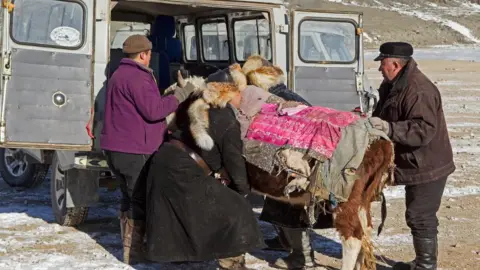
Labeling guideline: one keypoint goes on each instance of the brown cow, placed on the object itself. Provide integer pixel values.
(352, 219)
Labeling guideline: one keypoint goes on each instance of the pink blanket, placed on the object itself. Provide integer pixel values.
(316, 129)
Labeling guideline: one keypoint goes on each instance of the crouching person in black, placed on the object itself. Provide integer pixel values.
(191, 216)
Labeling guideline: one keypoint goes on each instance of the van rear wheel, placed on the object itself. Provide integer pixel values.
(58, 187)
(17, 171)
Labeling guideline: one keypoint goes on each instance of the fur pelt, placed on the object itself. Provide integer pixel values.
(254, 62)
(238, 76)
(216, 95)
(197, 82)
(266, 77)
(261, 73)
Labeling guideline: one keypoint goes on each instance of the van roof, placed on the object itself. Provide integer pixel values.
(190, 7)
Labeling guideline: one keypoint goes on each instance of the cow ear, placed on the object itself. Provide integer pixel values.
(180, 80)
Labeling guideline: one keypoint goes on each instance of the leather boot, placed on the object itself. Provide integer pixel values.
(133, 232)
(233, 263)
(404, 266)
(302, 252)
(426, 251)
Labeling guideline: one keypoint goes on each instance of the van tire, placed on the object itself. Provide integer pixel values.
(26, 175)
(63, 216)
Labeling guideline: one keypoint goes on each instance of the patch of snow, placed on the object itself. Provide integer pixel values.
(449, 23)
(460, 98)
(466, 149)
(392, 240)
(464, 124)
(329, 242)
(402, 9)
(469, 6)
(459, 53)
(426, 15)
(397, 192)
(367, 37)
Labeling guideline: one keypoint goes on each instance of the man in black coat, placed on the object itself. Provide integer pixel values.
(190, 215)
(410, 111)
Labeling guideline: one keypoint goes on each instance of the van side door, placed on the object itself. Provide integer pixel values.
(326, 64)
(47, 87)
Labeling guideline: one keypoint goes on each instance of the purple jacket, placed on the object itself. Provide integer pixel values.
(134, 111)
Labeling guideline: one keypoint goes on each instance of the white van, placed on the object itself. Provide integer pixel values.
(57, 57)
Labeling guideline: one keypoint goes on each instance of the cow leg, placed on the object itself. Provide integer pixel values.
(351, 245)
(362, 216)
(350, 250)
(366, 256)
(360, 259)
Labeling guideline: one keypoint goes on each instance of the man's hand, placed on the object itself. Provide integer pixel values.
(379, 124)
(182, 93)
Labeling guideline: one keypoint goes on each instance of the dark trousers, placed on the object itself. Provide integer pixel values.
(128, 168)
(423, 202)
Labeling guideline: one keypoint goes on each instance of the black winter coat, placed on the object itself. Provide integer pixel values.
(413, 107)
(191, 216)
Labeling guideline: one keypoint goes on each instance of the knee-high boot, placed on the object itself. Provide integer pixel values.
(133, 232)
(302, 253)
(426, 252)
(279, 242)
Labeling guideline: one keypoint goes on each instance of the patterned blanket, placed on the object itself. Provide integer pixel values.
(315, 130)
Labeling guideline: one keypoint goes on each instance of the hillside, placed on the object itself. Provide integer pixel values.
(422, 23)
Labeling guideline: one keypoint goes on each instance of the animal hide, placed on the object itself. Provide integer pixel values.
(214, 95)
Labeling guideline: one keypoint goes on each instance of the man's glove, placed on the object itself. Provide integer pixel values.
(182, 93)
(379, 124)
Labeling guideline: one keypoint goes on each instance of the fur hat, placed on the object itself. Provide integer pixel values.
(261, 73)
(216, 95)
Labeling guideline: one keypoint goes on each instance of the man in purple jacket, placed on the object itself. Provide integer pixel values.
(134, 128)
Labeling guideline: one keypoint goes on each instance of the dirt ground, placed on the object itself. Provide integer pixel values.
(29, 238)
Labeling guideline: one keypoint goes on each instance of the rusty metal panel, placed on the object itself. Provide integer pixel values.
(31, 115)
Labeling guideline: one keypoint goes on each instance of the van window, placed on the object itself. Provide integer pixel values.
(190, 42)
(215, 41)
(48, 23)
(252, 36)
(120, 31)
(309, 51)
(332, 41)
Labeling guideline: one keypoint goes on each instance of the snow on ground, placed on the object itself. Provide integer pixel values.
(30, 239)
(426, 11)
(455, 53)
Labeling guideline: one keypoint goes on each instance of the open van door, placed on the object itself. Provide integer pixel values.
(47, 78)
(326, 66)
